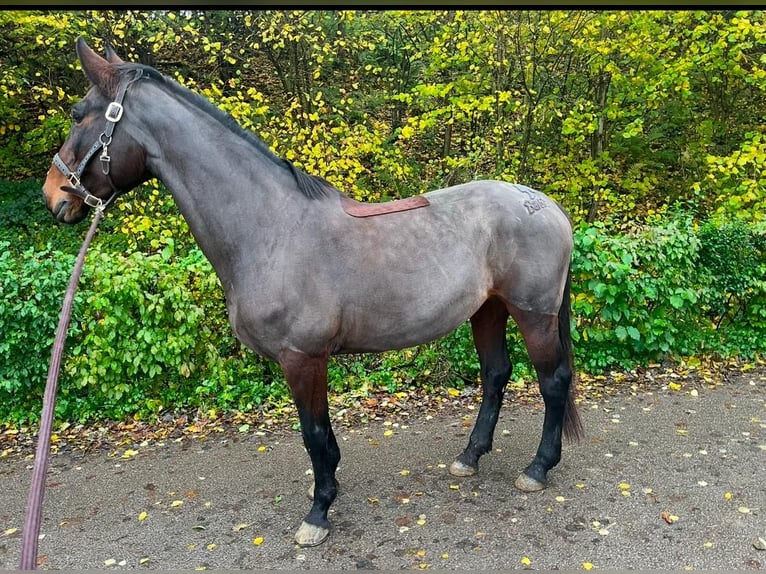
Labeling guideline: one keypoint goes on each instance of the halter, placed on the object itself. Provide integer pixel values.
(113, 115)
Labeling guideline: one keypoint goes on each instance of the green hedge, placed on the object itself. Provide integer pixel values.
(150, 331)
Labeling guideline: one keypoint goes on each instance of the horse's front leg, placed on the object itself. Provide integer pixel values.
(307, 378)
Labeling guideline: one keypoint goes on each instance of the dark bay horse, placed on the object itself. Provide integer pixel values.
(304, 279)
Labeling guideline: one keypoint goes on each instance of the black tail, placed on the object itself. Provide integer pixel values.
(572, 424)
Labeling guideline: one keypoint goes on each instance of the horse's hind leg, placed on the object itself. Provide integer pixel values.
(552, 361)
(488, 325)
(307, 379)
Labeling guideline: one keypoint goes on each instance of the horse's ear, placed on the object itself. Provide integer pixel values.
(101, 73)
(111, 55)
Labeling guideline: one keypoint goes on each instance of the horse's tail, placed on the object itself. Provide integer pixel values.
(572, 424)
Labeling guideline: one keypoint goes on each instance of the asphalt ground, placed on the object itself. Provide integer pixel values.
(669, 476)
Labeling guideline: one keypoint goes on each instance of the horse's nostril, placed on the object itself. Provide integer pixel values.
(60, 208)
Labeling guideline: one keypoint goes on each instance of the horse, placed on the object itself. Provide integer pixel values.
(308, 272)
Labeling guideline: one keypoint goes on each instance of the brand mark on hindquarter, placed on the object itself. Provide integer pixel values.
(533, 203)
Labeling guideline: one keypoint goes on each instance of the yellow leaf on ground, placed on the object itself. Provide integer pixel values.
(10, 531)
(143, 515)
(453, 392)
(525, 561)
(176, 503)
(258, 541)
(587, 566)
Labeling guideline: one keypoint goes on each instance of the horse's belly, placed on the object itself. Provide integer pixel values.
(395, 324)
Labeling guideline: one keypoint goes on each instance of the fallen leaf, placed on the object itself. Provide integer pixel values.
(743, 510)
(176, 503)
(623, 486)
(668, 517)
(212, 546)
(258, 540)
(143, 515)
(525, 561)
(239, 527)
(110, 562)
(129, 453)
(10, 531)
(453, 392)
(142, 561)
(759, 543)
(587, 566)
(727, 495)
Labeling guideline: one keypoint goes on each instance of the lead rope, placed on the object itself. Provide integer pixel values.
(31, 533)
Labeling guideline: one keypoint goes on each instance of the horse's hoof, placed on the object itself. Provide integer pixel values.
(311, 535)
(529, 484)
(458, 468)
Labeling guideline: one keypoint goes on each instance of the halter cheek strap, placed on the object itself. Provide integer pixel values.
(113, 115)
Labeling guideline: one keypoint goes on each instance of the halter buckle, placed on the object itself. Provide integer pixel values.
(93, 201)
(113, 112)
(73, 180)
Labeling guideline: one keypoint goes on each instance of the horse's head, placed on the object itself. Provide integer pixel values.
(99, 159)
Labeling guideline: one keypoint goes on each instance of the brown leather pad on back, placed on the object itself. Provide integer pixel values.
(359, 209)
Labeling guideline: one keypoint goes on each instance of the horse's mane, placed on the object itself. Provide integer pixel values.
(312, 186)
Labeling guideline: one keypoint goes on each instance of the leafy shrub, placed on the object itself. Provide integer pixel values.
(733, 258)
(634, 298)
(150, 333)
(31, 289)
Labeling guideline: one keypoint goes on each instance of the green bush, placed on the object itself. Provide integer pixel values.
(30, 299)
(733, 258)
(150, 333)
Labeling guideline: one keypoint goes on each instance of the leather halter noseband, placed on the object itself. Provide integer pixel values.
(113, 115)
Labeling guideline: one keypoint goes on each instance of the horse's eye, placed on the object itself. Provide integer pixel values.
(77, 115)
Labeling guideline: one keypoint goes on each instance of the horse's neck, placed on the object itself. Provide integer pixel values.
(225, 188)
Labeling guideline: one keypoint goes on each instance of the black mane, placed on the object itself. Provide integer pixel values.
(312, 186)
